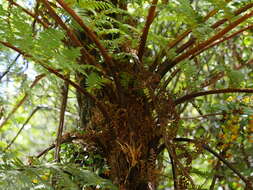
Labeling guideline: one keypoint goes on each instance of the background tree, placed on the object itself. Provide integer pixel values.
(151, 81)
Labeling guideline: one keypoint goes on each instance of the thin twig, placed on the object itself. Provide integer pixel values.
(23, 126)
(218, 91)
(149, 20)
(9, 67)
(202, 116)
(206, 147)
(37, 79)
(65, 89)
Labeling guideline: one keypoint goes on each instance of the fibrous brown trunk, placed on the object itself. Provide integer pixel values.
(129, 141)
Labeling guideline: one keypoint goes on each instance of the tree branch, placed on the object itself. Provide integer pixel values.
(218, 91)
(9, 67)
(149, 20)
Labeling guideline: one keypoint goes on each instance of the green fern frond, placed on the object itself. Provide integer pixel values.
(222, 5)
(95, 82)
(95, 5)
(205, 174)
(19, 177)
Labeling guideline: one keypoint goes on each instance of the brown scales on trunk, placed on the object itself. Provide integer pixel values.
(130, 140)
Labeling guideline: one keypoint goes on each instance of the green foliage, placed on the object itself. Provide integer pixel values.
(90, 4)
(94, 81)
(222, 5)
(15, 175)
(235, 77)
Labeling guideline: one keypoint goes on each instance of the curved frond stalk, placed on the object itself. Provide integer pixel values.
(150, 18)
(165, 67)
(218, 91)
(70, 33)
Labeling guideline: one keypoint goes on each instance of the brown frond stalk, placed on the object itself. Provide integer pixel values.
(65, 90)
(167, 66)
(215, 25)
(90, 34)
(236, 13)
(87, 31)
(212, 39)
(218, 91)
(29, 13)
(70, 33)
(150, 18)
(174, 42)
(223, 39)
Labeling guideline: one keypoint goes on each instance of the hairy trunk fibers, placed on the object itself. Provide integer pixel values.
(129, 141)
